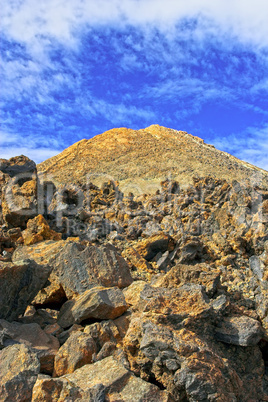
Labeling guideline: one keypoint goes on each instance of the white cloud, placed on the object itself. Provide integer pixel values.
(250, 146)
(38, 154)
(34, 22)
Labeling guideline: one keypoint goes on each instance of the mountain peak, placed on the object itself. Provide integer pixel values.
(141, 159)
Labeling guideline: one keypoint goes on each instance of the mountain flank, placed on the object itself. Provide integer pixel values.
(107, 295)
(141, 159)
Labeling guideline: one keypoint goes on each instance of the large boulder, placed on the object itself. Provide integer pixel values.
(77, 267)
(19, 367)
(17, 165)
(101, 381)
(19, 284)
(43, 344)
(97, 303)
(77, 351)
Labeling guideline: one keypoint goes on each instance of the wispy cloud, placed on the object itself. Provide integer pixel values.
(73, 68)
(250, 145)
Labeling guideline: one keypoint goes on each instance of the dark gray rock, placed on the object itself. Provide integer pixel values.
(239, 330)
(19, 284)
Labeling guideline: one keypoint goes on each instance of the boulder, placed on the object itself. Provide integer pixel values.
(44, 345)
(96, 303)
(19, 284)
(106, 380)
(17, 165)
(119, 383)
(38, 230)
(19, 192)
(77, 351)
(149, 248)
(19, 367)
(239, 330)
(62, 389)
(76, 267)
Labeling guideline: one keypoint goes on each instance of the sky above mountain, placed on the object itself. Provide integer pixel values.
(72, 69)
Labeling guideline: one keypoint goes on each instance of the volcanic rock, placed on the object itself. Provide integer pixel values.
(242, 331)
(38, 230)
(19, 367)
(98, 302)
(76, 268)
(76, 352)
(19, 192)
(19, 284)
(126, 156)
(45, 345)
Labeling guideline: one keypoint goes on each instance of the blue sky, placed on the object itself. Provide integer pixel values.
(71, 69)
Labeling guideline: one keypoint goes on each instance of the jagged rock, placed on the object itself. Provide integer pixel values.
(19, 284)
(87, 266)
(17, 165)
(186, 360)
(38, 230)
(132, 292)
(45, 346)
(103, 332)
(148, 248)
(74, 353)
(42, 317)
(98, 382)
(99, 303)
(19, 193)
(64, 335)
(62, 389)
(140, 268)
(242, 331)
(201, 274)
(118, 382)
(19, 367)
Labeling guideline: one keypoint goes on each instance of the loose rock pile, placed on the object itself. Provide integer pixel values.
(113, 297)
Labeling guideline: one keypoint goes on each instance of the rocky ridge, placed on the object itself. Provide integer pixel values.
(112, 296)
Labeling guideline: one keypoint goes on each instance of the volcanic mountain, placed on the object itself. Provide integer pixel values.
(141, 159)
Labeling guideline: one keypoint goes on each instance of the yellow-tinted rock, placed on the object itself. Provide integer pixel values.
(38, 230)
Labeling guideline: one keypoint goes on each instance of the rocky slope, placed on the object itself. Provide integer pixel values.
(111, 296)
(140, 159)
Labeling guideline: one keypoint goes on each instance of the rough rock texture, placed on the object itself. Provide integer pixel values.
(152, 296)
(38, 230)
(19, 191)
(119, 383)
(87, 266)
(19, 284)
(76, 352)
(19, 367)
(99, 303)
(126, 155)
(239, 330)
(45, 345)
